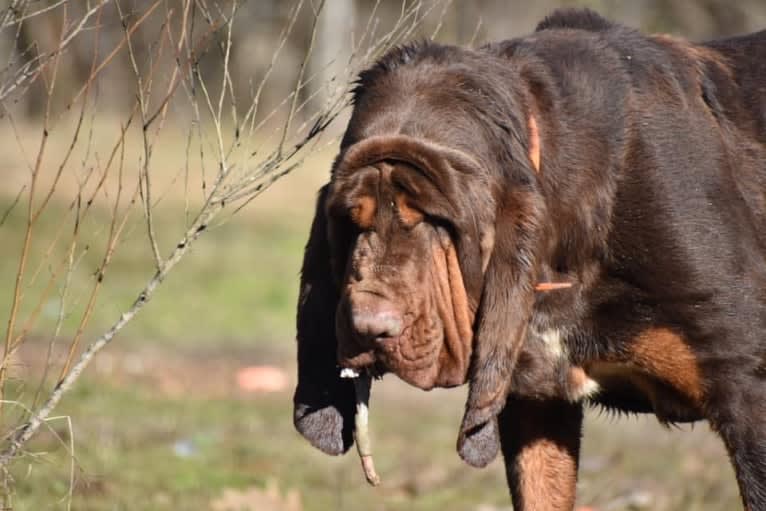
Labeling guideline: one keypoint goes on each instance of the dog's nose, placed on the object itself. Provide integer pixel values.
(377, 324)
(374, 317)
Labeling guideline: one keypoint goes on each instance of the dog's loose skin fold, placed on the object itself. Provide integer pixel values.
(576, 216)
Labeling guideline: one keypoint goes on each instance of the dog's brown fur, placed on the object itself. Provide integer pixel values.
(632, 167)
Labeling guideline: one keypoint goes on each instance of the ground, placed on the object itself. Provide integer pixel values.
(171, 429)
(159, 421)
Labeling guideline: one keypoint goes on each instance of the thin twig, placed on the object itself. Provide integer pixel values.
(31, 70)
(145, 179)
(116, 50)
(233, 181)
(306, 57)
(8, 19)
(31, 218)
(115, 230)
(475, 35)
(29, 428)
(13, 204)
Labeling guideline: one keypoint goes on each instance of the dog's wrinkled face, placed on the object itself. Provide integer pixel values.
(403, 304)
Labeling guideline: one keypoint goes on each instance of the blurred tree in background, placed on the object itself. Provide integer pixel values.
(259, 23)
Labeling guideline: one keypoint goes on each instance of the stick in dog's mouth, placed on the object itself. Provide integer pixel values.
(362, 384)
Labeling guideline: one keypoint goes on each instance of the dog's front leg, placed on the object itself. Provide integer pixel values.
(541, 446)
(738, 414)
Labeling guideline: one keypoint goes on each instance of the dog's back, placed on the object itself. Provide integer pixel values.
(730, 76)
(743, 59)
(746, 57)
(741, 91)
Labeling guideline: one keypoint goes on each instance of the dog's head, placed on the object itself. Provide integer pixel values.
(419, 241)
(406, 257)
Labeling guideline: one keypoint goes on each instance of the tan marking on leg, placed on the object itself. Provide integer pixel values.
(547, 476)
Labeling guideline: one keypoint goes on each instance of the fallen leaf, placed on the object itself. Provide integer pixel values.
(262, 379)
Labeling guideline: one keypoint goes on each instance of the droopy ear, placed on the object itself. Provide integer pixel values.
(323, 402)
(505, 310)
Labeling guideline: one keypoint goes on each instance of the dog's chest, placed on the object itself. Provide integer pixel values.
(654, 372)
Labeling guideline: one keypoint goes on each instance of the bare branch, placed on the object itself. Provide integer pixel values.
(28, 429)
(13, 204)
(299, 81)
(31, 70)
(31, 218)
(145, 184)
(243, 168)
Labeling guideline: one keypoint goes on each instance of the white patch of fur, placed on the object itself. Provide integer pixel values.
(347, 372)
(587, 390)
(579, 384)
(554, 345)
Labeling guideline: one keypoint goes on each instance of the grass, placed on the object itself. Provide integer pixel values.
(158, 421)
(239, 284)
(141, 447)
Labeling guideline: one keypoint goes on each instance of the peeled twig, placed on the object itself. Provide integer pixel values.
(362, 385)
(552, 286)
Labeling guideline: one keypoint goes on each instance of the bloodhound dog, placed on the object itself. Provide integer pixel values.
(572, 217)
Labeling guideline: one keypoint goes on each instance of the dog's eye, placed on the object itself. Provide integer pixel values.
(409, 215)
(362, 212)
